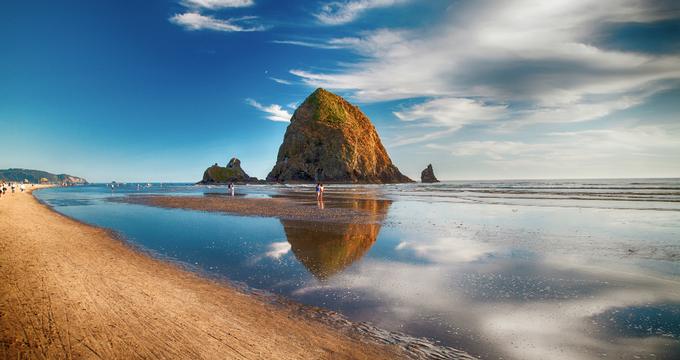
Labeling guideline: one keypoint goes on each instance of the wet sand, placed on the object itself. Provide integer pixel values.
(70, 290)
(282, 208)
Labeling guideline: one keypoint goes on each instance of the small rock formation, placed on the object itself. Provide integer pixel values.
(427, 176)
(224, 175)
(331, 140)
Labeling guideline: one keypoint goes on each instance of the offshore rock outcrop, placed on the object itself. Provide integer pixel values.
(331, 140)
(228, 174)
(427, 176)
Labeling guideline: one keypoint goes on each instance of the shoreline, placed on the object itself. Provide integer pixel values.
(74, 290)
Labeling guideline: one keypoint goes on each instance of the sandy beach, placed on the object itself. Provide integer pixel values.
(69, 290)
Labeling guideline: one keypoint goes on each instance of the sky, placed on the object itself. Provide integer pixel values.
(513, 89)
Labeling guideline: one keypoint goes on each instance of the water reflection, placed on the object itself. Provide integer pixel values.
(497, 281)
(326, 249)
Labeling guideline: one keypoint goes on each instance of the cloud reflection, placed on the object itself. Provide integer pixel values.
(448, 250)
(498, 306)
(278, 249)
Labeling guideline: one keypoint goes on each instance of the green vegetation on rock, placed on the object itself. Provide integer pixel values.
(327, 107)
(223, 175)
(331, 140)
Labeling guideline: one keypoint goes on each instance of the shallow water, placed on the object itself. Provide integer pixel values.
(493, 268)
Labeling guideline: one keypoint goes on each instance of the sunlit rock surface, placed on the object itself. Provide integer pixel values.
(331, 140)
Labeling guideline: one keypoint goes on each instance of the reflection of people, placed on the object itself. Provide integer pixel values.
(231, 188)
(319, 203)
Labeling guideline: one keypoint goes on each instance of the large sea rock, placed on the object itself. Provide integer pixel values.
(223, 175)
(427, 176)
(331, 140)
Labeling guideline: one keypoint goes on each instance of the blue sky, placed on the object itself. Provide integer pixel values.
(159, 90)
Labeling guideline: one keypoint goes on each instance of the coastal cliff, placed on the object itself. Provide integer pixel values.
(331, 140)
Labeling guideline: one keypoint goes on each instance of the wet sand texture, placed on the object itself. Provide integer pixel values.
(69, 290)
(281, 208)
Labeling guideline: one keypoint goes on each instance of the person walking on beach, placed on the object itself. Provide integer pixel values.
(22, 187)
(13, 186)
(231, 188)
(319, 191)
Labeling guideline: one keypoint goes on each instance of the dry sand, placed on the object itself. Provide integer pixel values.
(69, 290)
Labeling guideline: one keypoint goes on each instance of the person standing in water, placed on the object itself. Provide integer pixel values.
(231, 188)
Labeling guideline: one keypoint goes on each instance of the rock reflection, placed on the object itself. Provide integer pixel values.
(325, 249)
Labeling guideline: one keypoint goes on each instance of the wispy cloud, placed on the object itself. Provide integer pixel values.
(317, 45)
(217, 4)
(625, 148)
(342, 12)
(194, 21)
(452, 113)
(542, 56)
(276, 112)
(281, 81)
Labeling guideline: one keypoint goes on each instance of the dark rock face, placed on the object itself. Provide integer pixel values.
(427, 176)
(228, 174)
(331, 140)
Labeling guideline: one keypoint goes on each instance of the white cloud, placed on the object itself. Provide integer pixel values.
(539, 53)
(317, 45)
(280, 81)
(451, 113)
(619, 151)
(276, 112)
(217, 4)
(409, 139)
(195, 21)
(337, 12)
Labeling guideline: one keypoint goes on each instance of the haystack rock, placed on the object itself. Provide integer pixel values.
(427, 176)
(223, 175)
(331, 140)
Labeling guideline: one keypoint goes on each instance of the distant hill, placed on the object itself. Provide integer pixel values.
(34, 176)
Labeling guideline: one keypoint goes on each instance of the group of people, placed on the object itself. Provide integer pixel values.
(4, 187)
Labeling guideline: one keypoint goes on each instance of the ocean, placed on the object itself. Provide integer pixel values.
(514, 269)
